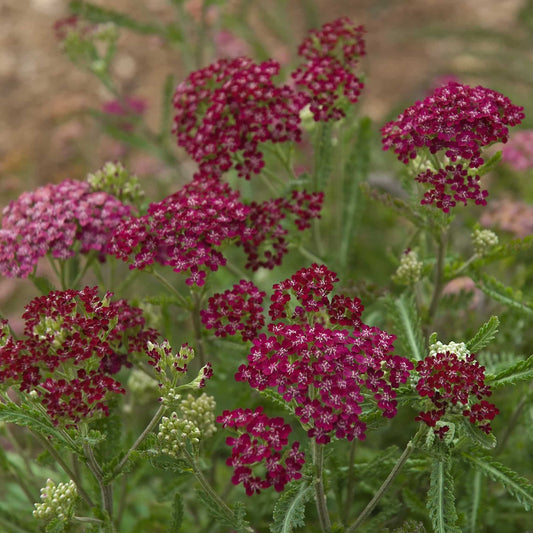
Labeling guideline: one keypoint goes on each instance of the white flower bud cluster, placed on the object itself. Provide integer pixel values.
(169, 395)
(114, 179)
(484, 240)
(458, 348)
(410, 269)
(196, 423)
(57, 501)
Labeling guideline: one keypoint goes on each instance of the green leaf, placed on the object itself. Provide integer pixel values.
(355, 173)
(499, 292)
(323, 165)
(289, 511)
(475, 498)
(98, 15)
(277, 399)
(408, 326)
(490, 164)
(477, 436)
(441, 497)
(44, 285)
(26, 416)
(166, 107)
(485, 335)
(233, 518)
(521, 371)
(518, 486)
(504, 251)
(177, 513)
(166, 462)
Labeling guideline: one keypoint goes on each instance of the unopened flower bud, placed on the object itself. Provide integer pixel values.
(410, 269)
(458, 348)
(57, 501)
(484, 240)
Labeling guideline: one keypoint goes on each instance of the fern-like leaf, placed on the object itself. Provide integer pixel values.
(441, 498)
(177, 513)
(408, 329)
(289, 511)
(521, 371)
(500, 293)
(484, 336)
(277, 399)
(516, 485)
(232, 518)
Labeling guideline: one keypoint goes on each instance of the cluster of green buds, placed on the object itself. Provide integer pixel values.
(57, 502)
(114, 179)
(484, 240)
(50, 327)
(186, 431)
(410, 269)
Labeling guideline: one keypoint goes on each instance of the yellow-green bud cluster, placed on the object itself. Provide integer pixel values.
(114, 179)
(49, 326)
(410, 269)
(458, 348)
(197, 422)
(57, 502)
(484, 240)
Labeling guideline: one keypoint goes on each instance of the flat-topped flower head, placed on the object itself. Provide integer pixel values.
(226, 110)
(323, 359)
(185, 230)
(452, 382)
(455, 122)
(57, 219)
(261, 456)
(328, 75)
(73, 343)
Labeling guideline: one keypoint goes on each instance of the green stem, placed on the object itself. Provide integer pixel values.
(197, 326)
(151, 425)
(386, 484)
(181, 300)
(234, 269)
(438, 278)
(350, 486)
(320, 495)
(310, 255)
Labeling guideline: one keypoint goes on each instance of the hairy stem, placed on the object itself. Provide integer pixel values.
(182, 302)
(320, 495)
(438, 278)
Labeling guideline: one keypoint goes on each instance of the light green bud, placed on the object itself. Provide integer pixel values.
(484, 240)
(410, 269)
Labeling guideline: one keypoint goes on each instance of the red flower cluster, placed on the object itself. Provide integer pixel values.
(332, 55)
(238, 309)
(185, 229)
(267, 246)
(51, 220)
(224, 111)
(73, 333)
(458, 120)
(326, 372)
(448, 380)
(261, 441)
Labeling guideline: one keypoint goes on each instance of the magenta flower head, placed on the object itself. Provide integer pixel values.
(518, 152)
(226, 110)
(331, 56)
(56, 219)
(452, 383)
(74, 342)
(184, 230)
(454, 124)
(323, 359)
(261, 456)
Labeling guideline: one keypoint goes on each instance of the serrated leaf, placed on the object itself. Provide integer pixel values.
(277, 399)
(233, 518)
(441, 497)
(490, 164)
(517, 486)
(479, 437)
(521, 371)
(25, 416)
(504, 251)
(484, 336)
(499, 292)
(177, 513)
(289, 511)
(165, 462)
(408, 326)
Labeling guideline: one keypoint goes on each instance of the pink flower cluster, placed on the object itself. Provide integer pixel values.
(449, 382)
(332, 55)
(52, 219)
(73, 333)
(238, 309)
(518, 152)
(267, 246)
(325, 371)
(459, 121)
(261, 441)
(184, 230)
(226, 110)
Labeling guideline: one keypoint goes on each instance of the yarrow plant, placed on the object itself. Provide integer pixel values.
(236, 382)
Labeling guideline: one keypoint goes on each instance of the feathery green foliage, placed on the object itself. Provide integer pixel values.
(441, 497)
(484, 336)
(516, 485)
(521, 371)
(289, 511)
